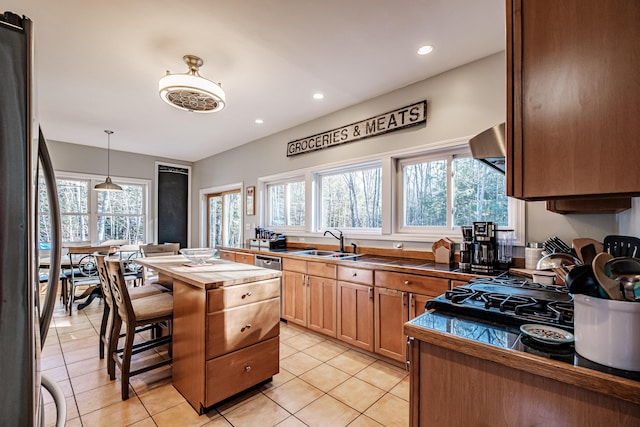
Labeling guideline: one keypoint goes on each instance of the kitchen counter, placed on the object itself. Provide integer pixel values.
(509, 368)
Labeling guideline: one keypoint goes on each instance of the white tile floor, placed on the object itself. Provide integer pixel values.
(321, 383)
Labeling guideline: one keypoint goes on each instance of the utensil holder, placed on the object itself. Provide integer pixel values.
(606, 331)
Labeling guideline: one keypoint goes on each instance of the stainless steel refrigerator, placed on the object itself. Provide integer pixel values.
(24, 319)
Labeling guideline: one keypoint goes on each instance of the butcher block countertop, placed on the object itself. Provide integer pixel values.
(214, 274)
(503, 345)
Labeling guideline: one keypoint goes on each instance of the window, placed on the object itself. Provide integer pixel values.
(286, 204)
(449, 191)
(224, 218)
(89, 216)
(350, 198)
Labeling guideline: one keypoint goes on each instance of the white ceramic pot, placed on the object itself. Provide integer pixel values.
(607, 331)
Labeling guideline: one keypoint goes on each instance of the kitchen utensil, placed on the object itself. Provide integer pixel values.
(609, 285)
(626, 271)
(543, 277)
(588, 253)
(622, 246)
(555, 260)
(554, 244)
(581, 280)
(583, 243)
(546, 334)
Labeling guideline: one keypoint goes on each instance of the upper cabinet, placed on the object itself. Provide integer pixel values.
(573, 98)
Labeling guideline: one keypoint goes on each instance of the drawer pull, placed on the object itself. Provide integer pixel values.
(247, 326)
(247, 368)
(354, 274)
(248, 294)
(407, 282)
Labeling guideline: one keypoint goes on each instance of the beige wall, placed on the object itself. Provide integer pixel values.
(460, 103)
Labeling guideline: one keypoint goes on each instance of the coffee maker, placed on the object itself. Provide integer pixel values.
(483, 257)
(466, 249)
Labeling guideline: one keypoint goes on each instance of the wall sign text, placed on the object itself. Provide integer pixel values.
(401, 118)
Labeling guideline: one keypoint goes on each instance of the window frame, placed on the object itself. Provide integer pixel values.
(222, 195)
(204, 219)
(92, 202)
(264, 188)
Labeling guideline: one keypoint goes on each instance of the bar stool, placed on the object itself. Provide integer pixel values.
(151, 310)
(108, 313)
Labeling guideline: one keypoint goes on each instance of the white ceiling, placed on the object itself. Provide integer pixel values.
(98, 62)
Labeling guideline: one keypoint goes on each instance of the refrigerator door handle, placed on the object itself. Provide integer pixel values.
(56, 238)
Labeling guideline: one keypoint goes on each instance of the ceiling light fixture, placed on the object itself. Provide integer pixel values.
(107, 185)
(191, 91)
(318, 96)
(259, 121)
(425, 50)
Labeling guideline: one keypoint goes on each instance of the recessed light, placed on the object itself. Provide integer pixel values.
(259, 121)
(318, 95)
(425, 49)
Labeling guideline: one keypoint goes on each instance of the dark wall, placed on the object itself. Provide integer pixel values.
(173, 204)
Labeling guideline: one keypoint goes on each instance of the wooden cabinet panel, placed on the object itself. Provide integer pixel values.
(290, 264)
(355, 275)
(228, 255)
(237, 371)
(412, 282)
(245, 258)
(455, 283)
(294, 293)
(321, 315)
(355, 314)
(391, 313)
(233, 296)
(235, 328)
(573, 98)
(417, 304)
(321, 269)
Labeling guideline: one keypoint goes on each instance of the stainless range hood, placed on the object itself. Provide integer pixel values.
(490, 147)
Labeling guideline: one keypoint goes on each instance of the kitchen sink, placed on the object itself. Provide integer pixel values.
(327, 254)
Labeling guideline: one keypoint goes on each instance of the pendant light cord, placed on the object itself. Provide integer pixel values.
(108, 132)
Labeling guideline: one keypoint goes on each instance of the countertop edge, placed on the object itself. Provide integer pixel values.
(589, 379)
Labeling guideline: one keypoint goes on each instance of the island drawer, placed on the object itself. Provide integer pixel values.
(412, 282)
(235, 328)
(244, 258)
(228, 255)
(321, 269)
(355, 275)
(237, 371)
(237, 295)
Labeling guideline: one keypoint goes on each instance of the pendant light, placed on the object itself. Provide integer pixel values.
(191, 91)
(107, 185)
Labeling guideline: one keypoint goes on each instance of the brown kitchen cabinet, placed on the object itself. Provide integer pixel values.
(355, 307)
(573, 99)
(228, 255)
(309, 295)
(242, 257)
(400, 297)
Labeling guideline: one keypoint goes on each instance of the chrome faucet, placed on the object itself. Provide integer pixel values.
(340, 237)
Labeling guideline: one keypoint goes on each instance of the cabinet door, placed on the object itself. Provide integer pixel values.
(294, 297)
(573, 98)
(321, 315)
(391, 313)
(355, 314)
(417, 304)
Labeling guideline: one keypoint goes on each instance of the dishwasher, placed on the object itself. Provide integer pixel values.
(272, 263)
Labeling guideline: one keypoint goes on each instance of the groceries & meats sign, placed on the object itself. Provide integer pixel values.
(401, 118)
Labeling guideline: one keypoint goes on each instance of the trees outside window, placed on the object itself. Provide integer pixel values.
(286, 204)
(224, 218)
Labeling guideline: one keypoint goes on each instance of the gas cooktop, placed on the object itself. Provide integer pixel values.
(509, 300)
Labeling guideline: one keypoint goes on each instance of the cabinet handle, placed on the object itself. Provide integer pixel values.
(247, 326)
(354, 274)
(403, 294)
(411, 302)
(248, 294)
(407, 362)
(370, 296)
(407, 282)
(247, 368)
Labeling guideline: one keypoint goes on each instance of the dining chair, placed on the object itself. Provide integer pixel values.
(151, 250)
(82, 271)
(134, 313)
(109, 312)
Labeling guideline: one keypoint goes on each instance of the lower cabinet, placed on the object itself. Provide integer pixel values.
(294, 297)
(400, 297)
(321, 315)
(355, 307)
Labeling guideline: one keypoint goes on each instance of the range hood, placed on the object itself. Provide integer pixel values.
(490, 147)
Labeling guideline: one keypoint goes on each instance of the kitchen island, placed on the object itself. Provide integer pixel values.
(465, 371)
(225, 326)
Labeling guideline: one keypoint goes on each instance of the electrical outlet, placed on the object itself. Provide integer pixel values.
(398, 245)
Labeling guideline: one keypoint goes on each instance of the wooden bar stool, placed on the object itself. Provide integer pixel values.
(151, 310)
(109, 312)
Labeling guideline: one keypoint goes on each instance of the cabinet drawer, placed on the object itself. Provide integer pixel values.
(244, 258)
(290, 264)
(355, 275)
(321, 269)
(237, 371)
(227, 255)
(233, 296)
(235, 328)
(412, 283)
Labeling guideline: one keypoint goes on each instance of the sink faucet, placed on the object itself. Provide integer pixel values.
(340, 237)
